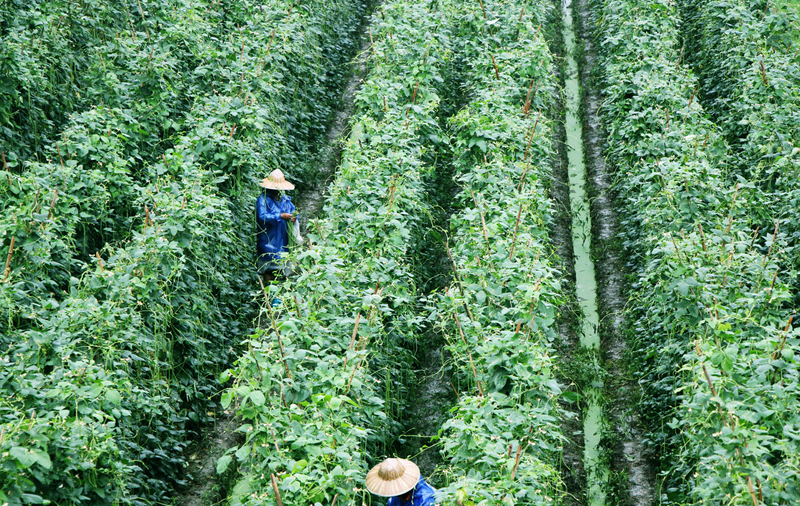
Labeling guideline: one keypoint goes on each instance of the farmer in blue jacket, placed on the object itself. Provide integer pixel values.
(401, 482)
(274, 216)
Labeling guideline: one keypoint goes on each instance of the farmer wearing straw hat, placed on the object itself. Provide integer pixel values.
(274, 212)
(401, 482)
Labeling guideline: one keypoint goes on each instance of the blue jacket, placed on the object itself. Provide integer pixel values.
(422, 495)
(273, 231)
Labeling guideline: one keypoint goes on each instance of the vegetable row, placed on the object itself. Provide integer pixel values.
(502, 441)
(321, 386)
(709, 308)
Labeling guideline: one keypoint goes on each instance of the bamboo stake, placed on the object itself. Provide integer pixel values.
(7, 268)
(297, 306)
(516, 462)
(483, 221)
(496, 72)
(530, 139)
(456, 391)
(774, 235)
(469, 353)
(353, 337)
(521, 13)
(783, 341)
(59, 156)
(772, 285)
(52, 204)
(752, 492)
(275, 439)
(5, 165)
(484, 10)
(755, 234)
(702, 236)
(692, 99)
(536, 35)
(275, 488)
(516, 229)
(99, 261)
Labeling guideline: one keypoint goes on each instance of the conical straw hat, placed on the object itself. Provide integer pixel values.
(392, 477)
(276, 181)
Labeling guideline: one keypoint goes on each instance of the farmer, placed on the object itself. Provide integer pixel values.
(401, 482)
(274, 213)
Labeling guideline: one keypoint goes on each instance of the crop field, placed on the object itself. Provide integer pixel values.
(557, 260)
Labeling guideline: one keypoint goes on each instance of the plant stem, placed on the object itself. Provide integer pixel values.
(483, 221)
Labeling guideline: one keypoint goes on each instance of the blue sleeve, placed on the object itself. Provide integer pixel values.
(267, 211)
(291, 205)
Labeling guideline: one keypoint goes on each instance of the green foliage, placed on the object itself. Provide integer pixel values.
(132, 142)
(746, 56)
(501, 443)
(332, 398)
(709, 293)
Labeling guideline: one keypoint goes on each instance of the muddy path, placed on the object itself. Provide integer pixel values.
(206, 487)
(632, 476)
(606, 461)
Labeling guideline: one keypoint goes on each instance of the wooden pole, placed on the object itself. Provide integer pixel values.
(496, 72)
(353, 337)
(275, 488)
(7, 268)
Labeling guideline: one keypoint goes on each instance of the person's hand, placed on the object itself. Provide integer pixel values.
(288, 217)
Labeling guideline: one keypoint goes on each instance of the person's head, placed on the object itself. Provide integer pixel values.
(275, 182)
(393, 478)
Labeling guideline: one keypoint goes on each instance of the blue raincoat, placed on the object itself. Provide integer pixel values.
(273, 231)
(422, 495)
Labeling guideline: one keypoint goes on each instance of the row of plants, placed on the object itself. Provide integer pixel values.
(710, 296)
(501, 443)
(159, 61)
(323, 382)
(747, 59)
(128, 227)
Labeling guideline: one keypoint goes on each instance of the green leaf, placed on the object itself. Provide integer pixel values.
(226, 399)
(222, 463)
(257, 396)
(24, 456)
(43, 459)
(114, 397)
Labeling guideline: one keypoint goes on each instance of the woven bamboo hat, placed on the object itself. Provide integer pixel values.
(276, 181)
(392, 477)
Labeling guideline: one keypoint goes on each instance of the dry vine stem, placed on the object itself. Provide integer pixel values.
(277, 334)
(469, 353)
(483, 221)
(458, 278)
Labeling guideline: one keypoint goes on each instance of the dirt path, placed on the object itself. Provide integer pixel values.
(630, 459)
(207, 488)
